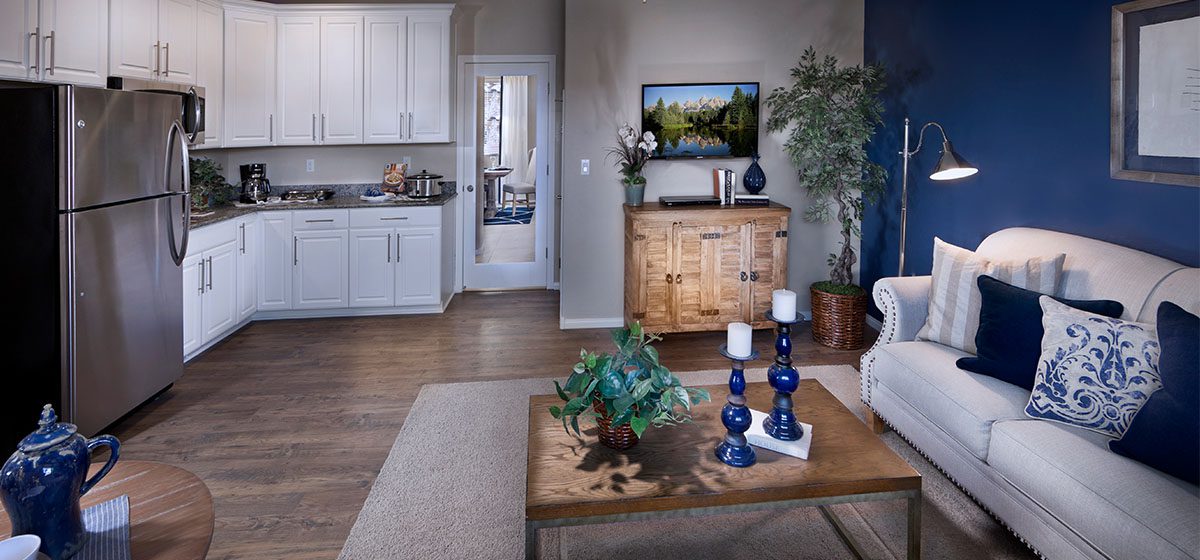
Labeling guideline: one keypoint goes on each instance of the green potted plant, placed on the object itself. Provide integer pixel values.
(830, 113)
(632, 152)
(625, 392)
(209, 187)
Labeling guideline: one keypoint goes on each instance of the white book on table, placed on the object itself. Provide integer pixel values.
(759, 438)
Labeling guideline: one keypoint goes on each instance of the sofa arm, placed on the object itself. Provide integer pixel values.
(904, 302)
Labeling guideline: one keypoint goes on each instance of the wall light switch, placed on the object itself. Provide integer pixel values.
(310, 165)
(585, 167)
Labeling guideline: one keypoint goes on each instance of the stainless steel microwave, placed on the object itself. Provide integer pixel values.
(191, 102)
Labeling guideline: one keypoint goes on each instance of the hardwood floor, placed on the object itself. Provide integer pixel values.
(289, 422)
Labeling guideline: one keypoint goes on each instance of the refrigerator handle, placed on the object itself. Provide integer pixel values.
(176, 132)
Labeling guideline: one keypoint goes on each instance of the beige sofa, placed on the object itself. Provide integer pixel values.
(1057, 487)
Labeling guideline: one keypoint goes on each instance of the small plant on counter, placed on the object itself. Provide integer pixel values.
(628, 390)
(209, 187)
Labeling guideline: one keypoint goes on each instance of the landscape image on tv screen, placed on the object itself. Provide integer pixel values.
(702, 120)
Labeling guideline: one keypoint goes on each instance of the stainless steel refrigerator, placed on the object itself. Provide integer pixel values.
(95, 189)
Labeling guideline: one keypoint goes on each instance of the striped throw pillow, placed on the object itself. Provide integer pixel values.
(954, 299)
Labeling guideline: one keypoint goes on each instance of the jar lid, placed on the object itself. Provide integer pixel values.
(50, 432)
(424, 175)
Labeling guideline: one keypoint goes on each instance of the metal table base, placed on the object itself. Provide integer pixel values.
(913, 498)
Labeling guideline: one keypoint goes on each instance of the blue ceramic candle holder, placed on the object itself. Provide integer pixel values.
(734, 450)
(781, 423)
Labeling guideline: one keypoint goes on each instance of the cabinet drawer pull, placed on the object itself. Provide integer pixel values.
(395, 218)
(295, 255)
(321, 221)
(389, 248)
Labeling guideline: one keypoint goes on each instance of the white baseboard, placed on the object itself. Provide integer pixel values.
(874, 323)
(596, 323)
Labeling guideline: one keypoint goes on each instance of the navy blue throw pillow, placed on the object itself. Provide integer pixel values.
(1165, 433)
(1009, 341)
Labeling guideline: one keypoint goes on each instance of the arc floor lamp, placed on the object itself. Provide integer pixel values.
(949, 167)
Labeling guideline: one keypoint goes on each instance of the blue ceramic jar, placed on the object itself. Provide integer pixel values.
(41, 483)
(754, 180)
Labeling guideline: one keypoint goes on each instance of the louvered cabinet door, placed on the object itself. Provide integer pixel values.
(709, 262)
(768, 267)
(648, 264)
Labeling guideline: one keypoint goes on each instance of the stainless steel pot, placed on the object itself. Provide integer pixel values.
(423, 184)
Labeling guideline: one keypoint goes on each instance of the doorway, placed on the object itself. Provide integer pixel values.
(504, 158)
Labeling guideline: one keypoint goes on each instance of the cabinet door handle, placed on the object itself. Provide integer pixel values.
(754, 276)
(243, 226)
(50, 49)
(397, 248)
(743, 276)
(322, 127)
(295, 255)
(670, 279)
(167, 63)
(157, 57)
(314, 127)
(678, 278)
(36, 51)
(394, 218)
(410, 128)
(389, 248)
(271, 128)
(209, 267)
(201, 290)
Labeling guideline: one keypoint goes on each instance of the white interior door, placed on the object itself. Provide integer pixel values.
(505, 234)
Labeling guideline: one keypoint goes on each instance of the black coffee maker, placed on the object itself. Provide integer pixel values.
(255, 186)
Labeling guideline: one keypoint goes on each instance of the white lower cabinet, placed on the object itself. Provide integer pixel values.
(372, 268)
(418, 266)
(210, 275)
(247, 267)
(395, 267)
(219, 306)
(193, 296)
(321, 277)
(278, 251)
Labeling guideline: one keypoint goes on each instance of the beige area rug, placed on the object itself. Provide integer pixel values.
(453, 487)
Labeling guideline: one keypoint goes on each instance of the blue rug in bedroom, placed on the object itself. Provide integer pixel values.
(506, 217)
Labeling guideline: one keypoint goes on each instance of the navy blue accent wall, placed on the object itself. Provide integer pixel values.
(1023, 91)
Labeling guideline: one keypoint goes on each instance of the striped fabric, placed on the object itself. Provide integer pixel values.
(107, 525)
(954, 298)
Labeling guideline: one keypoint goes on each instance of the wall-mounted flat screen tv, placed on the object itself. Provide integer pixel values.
(702, 120)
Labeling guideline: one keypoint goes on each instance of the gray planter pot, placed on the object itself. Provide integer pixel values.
(635, 194)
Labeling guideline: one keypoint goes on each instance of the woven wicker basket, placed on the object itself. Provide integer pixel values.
(837, 320)
(620, 438)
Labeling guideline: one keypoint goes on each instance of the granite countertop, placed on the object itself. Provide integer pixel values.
(340, 200)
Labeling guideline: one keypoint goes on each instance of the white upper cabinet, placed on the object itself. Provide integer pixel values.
(299, 80)
(249, 78)
(17, 44)
(386, 80)
(177, 32)
(75, 41)
(429, 78)
(210, 69)
(134, 49)
(341, 80)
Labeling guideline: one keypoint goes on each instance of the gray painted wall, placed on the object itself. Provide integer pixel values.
(612, 47)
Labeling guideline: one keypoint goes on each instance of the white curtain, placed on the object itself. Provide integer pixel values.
(514, 124)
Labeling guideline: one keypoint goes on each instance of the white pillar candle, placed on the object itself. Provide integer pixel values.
(783, 305)
(738, 341)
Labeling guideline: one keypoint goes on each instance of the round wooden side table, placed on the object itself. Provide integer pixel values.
(170, 509)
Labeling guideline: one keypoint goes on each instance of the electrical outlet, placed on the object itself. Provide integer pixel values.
(310, 165)
(585, 167)
(407, 161)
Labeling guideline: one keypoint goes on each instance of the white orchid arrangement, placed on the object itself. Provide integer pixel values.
(632, 152)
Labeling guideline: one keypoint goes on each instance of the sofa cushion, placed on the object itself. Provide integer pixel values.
(961, 403)
(1124, 508)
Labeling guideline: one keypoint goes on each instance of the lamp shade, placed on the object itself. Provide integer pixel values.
(951, 165)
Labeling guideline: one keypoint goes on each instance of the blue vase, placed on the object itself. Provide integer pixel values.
(41, 483)
(754, 180)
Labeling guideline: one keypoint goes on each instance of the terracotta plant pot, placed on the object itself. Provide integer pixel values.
(619, 438)
(838, 320)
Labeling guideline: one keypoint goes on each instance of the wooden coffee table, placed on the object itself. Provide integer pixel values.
(673, 472)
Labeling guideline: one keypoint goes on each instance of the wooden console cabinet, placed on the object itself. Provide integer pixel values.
(699, 268)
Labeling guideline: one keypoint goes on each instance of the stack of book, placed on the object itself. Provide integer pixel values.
(725, 189)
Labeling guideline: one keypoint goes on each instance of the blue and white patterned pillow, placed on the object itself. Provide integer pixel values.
(1094, 372)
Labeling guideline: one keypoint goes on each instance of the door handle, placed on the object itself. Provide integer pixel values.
(743, 276)
(754, 276)
(209, 267)
(670, 279)
(157, 58)
(410, 128)
(176, 132)
(678, 278)
(470, 188)
(271, 128)
(243, 226)
(50, 48)
(201, 276)
(295, 255)
(322, 127)
(314, 127)
(389, 248)
(397, 248)
(36, 51)
(167, 55)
